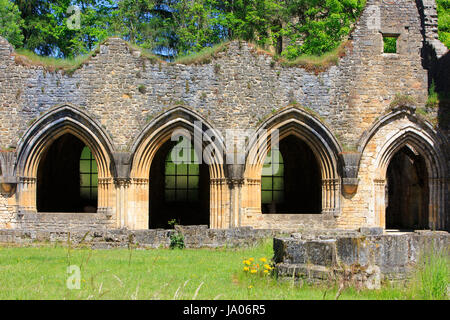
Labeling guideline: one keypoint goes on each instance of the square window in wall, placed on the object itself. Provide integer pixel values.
(390, 44)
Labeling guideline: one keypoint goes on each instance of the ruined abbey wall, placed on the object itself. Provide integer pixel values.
(130, 101)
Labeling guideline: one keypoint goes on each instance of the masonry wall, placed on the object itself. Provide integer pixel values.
(236, 90)
(239, 88)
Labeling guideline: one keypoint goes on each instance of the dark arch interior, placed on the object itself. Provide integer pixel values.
(162, 210)
(302, 179)
(58, 178)
(407, 191)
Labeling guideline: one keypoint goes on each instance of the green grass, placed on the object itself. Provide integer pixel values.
(41, 273)
(310, 62)
(27, 58)
(204, 56)
(319, 63)
(432, 275)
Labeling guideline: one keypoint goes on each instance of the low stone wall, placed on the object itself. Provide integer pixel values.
(365, 257)
(289, 222)
(194, 237)
(50, 221)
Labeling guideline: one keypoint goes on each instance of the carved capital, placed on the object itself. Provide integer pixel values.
(122, 182)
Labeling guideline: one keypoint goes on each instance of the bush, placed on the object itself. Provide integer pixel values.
(176, 238)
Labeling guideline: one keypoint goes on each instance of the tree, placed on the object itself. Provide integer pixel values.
(197, 24)
(11, 23)
(46, 31)
(318, 26)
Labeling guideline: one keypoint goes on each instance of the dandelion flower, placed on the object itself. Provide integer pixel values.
(267, 267)
(251, 259)
(246, 269)
(253, 271)
(266, 271)
(263, 260)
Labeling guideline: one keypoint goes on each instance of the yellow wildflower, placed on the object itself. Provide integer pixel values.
(247, 262)
(251, 259)
(246, 269)
(253, 271)
(250, 286)
(267, 267)
(263, 260)
(266, 271)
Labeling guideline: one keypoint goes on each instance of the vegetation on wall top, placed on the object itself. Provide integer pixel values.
(171, 29)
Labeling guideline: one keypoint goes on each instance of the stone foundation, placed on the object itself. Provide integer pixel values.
(194, 237)
(364, 258)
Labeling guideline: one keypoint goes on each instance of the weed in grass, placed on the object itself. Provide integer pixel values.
(432, 275)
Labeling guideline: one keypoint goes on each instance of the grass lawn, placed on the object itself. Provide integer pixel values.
(41, 273)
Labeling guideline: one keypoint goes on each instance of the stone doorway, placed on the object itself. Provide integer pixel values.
(407, 191)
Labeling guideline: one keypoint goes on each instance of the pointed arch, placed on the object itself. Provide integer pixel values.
(160, 129)
(316, 135)
(421, 139)
(61, 120)
(155, 134)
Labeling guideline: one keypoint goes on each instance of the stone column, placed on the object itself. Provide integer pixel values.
(331, 197)
(235, 186)
(380, 202)
(138, 203)
(436, 210)
(27, 194)
(122, 185)
(218, 198)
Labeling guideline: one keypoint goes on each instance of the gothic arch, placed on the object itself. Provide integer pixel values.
(44, 131)
(319, 138)
(419, 137)
(152, 137)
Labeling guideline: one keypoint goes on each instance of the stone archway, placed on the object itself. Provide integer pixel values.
(145, 152)
(62, 121)
(421, 186)
(314, 137)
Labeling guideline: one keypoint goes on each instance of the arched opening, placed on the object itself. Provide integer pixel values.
(67, 177)
(179, 189)
(291, 179)
(407, 191)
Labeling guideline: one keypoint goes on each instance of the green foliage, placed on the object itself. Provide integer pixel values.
(443, 11)
(318, 26)
(11, 23)
(176, 238)
(253, 20)
(175, 28)
(197, 24)
(433, 97)
(390, 44)
(402, 100)
(46, 30)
